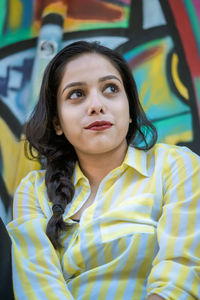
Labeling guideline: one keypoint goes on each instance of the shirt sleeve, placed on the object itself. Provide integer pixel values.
(175, 273)
(37, 273)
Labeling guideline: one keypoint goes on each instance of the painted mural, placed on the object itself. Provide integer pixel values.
(160, 39)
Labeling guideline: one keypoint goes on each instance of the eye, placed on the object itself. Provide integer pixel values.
(111, 88)
(75, 94)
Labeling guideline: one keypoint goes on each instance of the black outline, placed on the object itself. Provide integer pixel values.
(12, 122)
(5, 197)
(53, 18)
(17, 47)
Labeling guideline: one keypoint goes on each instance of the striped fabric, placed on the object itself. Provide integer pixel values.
(140, 236)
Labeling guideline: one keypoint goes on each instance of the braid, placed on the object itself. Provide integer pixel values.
(60, 190)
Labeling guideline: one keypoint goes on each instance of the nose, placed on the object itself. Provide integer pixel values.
(95, 103)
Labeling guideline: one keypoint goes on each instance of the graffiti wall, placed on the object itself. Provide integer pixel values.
(160, 39)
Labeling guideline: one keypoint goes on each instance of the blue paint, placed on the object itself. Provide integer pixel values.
(27, 13)
(152, 14)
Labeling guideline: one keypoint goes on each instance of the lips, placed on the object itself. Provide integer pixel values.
(99, 125)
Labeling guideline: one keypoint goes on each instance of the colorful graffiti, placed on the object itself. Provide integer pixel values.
(159, 39)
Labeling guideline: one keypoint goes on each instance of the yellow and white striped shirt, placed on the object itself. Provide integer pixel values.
(140, 236)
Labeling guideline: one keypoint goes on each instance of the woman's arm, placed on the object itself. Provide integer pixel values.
(37, 272)
(176, 267)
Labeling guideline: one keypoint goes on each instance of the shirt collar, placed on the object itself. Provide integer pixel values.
(78, 174)
(134, 158)
(137, 159)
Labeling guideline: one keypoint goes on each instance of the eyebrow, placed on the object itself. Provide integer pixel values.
(81, 83)
(109, 77)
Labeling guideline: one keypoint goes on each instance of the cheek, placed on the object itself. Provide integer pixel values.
(66, 115)
(70, 124)
(124, 112)
(66, 122)
(125, 117)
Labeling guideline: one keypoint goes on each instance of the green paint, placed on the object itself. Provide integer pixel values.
(16, 36)
(194, 21)
(177, 125)
(197, 88)
(2, 16)
(166, 41)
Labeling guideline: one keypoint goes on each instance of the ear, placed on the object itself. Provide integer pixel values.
(57, 127)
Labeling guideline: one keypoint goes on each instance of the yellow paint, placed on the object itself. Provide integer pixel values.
(158, 90)
(71, 24)
(15, 14)
(15, 164)
(9, 150)
(24, 165)
(144, 90)
(179, 85)
(56, 8)
(36, 28)
(174, 139)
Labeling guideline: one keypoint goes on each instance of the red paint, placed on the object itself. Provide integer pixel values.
(83, 10)
(186, 35)
(144, 56)
(93, 10)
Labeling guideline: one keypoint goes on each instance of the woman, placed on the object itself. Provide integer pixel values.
(104, 220)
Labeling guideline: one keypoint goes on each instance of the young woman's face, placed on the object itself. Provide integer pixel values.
(93, 109)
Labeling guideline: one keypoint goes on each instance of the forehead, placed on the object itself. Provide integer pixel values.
(89, 65)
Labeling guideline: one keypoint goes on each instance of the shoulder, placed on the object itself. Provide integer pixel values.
(172, 150)
(32, 178)
(179, 162)
(167, 158)
(162, 158)
(161, 153)
(31, 198)
(33, 181)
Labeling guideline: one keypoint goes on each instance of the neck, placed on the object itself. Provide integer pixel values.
(96, 166)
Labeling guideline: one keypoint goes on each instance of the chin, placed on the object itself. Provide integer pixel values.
(92, 146)
(100, 149)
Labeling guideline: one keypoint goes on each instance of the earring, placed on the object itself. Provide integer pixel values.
(59, 131)
(130, 121)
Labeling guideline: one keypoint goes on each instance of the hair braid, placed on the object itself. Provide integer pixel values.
(60, 190)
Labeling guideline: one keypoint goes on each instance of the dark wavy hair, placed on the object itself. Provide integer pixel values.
(59, 154)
